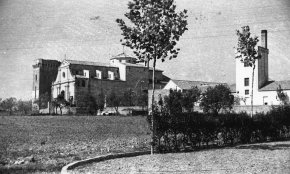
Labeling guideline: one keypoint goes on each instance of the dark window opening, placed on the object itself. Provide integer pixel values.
(247, 92)
(83, 83)
(63, 74)
(246, 82)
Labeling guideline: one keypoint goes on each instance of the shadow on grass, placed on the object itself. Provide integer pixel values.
(27, 169)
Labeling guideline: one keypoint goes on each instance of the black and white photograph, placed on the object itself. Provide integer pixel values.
(144, 86)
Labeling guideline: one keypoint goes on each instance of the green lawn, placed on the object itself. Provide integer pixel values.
(57, 140)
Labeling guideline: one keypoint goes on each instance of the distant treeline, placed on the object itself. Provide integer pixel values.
(12, 106)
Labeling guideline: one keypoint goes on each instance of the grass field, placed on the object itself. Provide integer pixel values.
(271, 157)
(54, 141)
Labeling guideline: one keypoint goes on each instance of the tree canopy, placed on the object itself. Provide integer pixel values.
(154, 30)
(216, 98)
(246, 48)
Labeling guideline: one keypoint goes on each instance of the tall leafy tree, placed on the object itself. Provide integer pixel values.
(114, 101)
(190, 97)
(153, 32)
(173, 102)
(247, 52)
(216, 98)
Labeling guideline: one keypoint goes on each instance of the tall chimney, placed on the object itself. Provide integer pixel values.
(264, 41)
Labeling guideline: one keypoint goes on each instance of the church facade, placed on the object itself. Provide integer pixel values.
(79, 79)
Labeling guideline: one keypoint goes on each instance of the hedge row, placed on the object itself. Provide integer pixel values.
(194, 130)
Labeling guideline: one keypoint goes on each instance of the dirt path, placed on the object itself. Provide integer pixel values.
(257, 158)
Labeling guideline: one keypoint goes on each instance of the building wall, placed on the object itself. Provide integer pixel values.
(44, 73)
(262, 67)
(171, 85)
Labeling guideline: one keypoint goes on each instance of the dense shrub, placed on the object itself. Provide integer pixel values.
(175, 131)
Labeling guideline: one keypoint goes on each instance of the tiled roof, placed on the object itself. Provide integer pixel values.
(273, 85)
(77, 62)
(138, 65)
(185, 84)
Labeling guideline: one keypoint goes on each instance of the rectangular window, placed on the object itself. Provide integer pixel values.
(246, 82)
(87, 73)
(111, 75)
(98, 74)
(247, 92)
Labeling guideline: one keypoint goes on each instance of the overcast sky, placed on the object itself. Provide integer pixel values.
(86, 30)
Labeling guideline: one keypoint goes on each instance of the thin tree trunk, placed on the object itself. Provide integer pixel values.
(252, 93)
(152, 106)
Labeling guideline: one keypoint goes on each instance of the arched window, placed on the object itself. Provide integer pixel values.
(35, 77)
(63, 74)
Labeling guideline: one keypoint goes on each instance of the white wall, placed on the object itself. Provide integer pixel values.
(171, 85)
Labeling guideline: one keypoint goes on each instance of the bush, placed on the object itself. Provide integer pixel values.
(175, 131)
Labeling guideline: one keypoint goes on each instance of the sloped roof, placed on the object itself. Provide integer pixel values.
(77, 62)
(123, 56)
(186, 84)
(138, 65)
(273, 85)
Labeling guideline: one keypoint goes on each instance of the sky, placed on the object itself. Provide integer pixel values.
(86, 30)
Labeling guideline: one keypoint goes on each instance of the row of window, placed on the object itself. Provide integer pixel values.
(111, 75)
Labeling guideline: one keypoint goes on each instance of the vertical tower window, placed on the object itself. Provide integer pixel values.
(83, 83)
(35, 77)
(246, 81)
(63, 74)
(247, 92)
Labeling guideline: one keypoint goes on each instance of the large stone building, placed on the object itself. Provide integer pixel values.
(264, 90)
(79, 79)
(44, 73)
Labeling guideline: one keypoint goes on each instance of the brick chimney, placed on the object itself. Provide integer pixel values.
(264, 41)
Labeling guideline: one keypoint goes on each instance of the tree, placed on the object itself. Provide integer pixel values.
(24, 106)
(142, 99)
(153, 33)
(173, 102)
(189, 97)
(114, 101)
(216, 98)
(9, 104)
(128, 98)
(100, 101)
(248, 53)
(90, 104)
(60, 102)
(282, 96)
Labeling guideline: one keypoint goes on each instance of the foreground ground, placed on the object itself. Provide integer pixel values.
(50, 142)
(257, 158)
